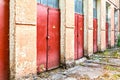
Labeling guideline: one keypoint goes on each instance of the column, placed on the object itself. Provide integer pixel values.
(22, 38)
(67, 32)
(88, 27)
(103, 25)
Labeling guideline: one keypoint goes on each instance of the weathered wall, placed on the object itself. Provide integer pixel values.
(115, 2)
(23, 32)
(67, 31)
(112, 26)
(114, 6)
(99, 24)
(88, 27)
(22, 38)
(103, 25)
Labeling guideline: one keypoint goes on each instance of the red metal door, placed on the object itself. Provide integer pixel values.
(53, 38)
(107, 35)
(4, 40)
(48, 38)
(95, 35)
(41, 37)
(76, 37)
(79, 36)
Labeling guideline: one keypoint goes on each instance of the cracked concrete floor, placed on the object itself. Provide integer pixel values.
(100, 66)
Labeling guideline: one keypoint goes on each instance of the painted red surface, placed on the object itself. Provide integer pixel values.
(106, 34)
(95, 26)
(79, 35)
(48, 38)
(41, 36)
(4, 40)
(53, 38)
(76, 39)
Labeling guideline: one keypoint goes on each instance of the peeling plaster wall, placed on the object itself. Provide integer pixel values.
(67, 31)
(12, 39)
(103, 25)
(22, 38)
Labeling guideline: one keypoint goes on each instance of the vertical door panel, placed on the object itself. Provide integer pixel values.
(4, 40)
(53, 38)
(76, 39)
(41, 37)
(107, 35)
(95, 35)
(80, 36)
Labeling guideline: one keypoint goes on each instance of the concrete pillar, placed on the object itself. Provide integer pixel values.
(112, 26)
(67, 31)
(118, 21)
(88, 27)
(103, 25)
(22, 38)
(99, 24)
(109, 28)
(116, 18)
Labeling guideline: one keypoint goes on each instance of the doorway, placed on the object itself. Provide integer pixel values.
(48, 35)
(95, 26)
(79, 29)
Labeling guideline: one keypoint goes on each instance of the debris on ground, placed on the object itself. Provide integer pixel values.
(101, 66)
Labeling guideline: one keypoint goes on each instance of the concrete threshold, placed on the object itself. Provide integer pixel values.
(77, 62)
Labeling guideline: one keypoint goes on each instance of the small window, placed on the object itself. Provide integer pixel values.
(56, 3)
(38, 1)
(106, 13)
(94, 4)
(79, 6)
(44, 2)
(95, 8)
(95, 13)
(50, 3)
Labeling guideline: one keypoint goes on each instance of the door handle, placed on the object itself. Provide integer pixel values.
(48, 37)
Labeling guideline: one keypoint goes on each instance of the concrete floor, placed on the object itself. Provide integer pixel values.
(100, 66)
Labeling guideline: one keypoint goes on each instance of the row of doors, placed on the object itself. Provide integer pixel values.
(48, 37)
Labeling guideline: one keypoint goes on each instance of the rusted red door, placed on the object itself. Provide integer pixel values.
(76, 37)
(107, 35)
(79, 33)
(79, 29)
(95, 25)
(95, 35)
(4, 40)
(41, 37)
(53, 38)
(48, 37)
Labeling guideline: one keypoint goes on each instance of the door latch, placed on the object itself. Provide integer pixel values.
(48, 37)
